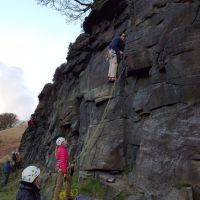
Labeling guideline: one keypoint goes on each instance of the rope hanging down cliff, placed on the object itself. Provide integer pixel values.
(115, 51)
(89, 145)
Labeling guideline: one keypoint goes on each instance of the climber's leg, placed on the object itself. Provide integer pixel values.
(113, 65)
(59, 183)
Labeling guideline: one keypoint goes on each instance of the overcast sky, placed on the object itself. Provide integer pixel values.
(34, 41)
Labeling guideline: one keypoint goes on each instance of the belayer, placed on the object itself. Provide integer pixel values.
(115, 49)
(62, 156)
(30, 185)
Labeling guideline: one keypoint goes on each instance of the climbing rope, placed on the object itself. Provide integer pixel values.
(74, 192)
(88, 145)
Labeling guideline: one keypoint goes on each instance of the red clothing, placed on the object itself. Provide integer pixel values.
(30, 122)
(62, 157)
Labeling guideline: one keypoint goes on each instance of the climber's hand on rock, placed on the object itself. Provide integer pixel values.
(72, 165)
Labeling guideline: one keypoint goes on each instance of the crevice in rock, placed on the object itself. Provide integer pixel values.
(167, 105)
(152, 45)
(160, 4)
(140, 73)
(183, 51)
(198, 160)
(196, 16)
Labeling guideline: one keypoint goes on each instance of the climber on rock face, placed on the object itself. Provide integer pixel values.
(32, 123)
(61, 154)
(115, 49)
(30, 185)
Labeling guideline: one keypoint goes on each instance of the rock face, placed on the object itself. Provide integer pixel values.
(148, 121)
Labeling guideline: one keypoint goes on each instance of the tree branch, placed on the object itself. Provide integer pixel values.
(83, 4)
(72, 9)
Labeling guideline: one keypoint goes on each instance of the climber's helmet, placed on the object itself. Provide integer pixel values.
(30, 173)
(60, 140)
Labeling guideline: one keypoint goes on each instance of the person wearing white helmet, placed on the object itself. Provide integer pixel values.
(30, 184)
(62, 156)
(60, 140)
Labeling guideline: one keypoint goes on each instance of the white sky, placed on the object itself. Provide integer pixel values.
(34, 41)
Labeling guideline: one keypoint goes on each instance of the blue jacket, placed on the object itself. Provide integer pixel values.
(117, 44)
(6, 168)
(28, 191)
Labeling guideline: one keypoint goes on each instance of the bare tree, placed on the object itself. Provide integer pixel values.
(73, 9)
(7, 120)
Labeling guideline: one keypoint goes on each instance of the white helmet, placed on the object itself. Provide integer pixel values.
(30, 173)
(60, 140)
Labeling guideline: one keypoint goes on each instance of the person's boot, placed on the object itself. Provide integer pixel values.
(69, 198)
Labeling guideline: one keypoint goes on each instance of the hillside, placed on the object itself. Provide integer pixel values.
(146, 125)
(10, 140)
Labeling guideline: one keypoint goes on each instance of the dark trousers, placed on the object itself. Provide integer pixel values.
(6, 176)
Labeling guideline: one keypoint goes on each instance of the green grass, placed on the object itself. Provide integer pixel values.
(10, 191)
(121, 196)
(90, 187)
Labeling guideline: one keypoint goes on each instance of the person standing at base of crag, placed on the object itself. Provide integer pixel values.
(6, 171)
(62, 156)
(29, 188)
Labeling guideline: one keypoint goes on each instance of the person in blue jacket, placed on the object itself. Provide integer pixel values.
(115, 49)
(6, 171)
(30, 185)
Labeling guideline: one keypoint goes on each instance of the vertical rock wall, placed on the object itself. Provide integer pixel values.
(149, 122)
